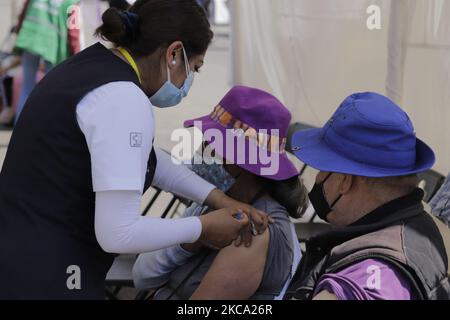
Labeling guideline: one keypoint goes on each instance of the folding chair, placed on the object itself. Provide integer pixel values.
(306, 231)
(293, 128)
(430, 181)
(310, 228)
(120, 274)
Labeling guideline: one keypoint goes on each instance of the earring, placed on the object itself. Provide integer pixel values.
(174, 62)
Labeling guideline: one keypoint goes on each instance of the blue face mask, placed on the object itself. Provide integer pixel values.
(169, 95)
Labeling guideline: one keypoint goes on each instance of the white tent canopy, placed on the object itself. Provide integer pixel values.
(312, 54)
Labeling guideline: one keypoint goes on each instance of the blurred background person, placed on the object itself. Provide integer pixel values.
(9, 68)
(44, 36)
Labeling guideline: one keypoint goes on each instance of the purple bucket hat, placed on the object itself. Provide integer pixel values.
(249, 122)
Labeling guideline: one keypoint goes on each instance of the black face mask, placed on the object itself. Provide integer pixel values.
(319, 201)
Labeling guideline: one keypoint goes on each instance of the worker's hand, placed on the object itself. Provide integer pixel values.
(259, 220)
(220, 228)
(217, 199)
(258, 224)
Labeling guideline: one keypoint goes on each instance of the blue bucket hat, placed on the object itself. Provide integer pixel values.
(369, 136)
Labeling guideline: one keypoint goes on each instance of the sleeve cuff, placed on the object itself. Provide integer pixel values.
(204, 189)
(196, 228)
(182, 253)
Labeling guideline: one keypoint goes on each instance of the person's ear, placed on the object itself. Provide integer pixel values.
(173, 54)
(346, 184)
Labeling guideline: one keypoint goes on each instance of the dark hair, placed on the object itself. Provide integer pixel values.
(160, 23)
(291, 194)
(119, 4)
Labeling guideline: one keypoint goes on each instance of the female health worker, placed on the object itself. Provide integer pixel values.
(82, 155)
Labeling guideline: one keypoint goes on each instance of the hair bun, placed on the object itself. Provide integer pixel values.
(131, 22)
(113, 28)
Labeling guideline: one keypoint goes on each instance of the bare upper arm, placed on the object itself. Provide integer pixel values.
(236, 272)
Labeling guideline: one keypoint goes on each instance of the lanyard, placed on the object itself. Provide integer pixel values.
(131, 61)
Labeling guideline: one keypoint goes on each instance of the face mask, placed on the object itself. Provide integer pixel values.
(215, 174)
(319, 201)
(169, 95)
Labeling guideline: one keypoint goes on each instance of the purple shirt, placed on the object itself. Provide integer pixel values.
(371, 279)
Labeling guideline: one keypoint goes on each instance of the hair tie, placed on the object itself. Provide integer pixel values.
(131, 22)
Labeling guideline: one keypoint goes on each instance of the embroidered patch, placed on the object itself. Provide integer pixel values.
(136, 139)
(264, 140)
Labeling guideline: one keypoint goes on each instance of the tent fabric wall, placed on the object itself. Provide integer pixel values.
(312, 54)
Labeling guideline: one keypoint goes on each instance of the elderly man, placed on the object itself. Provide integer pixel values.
(384, 246)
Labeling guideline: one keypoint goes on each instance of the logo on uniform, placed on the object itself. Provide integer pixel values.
(136, 139)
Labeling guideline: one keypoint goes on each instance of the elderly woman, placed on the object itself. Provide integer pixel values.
(263, 270)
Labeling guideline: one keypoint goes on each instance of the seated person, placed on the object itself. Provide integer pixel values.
(386, 246)
(263, 270)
